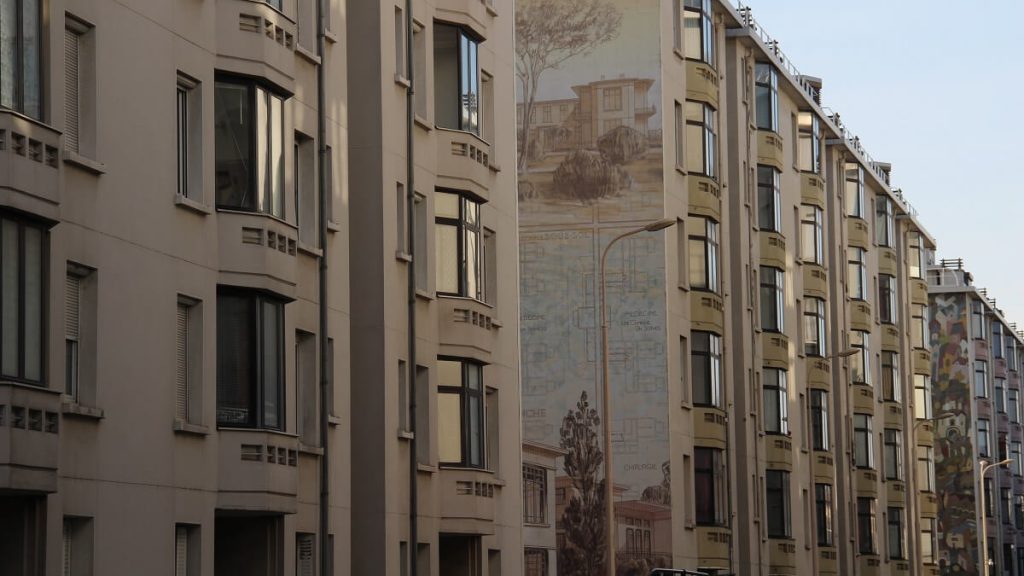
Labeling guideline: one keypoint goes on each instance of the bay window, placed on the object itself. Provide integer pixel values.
(997, 339)
(459, 246)
(1013, 405)
(1000, 394)
(857, 274)
(250, 360)
(887, 304)
(777, 500)
(820, 441)
(977, 320)
(776, 401)
(769, 199)
(710, 489)
(893, 447)
(766, 87)
(866, 525)
(701, 139)
(926, 468)
(460, 413)
(706, 363)
(823, 513)
(809, 149)
(698, 31)
(23, 250)
(860, 363)
(1015, 457)
(884, 233)
(21, 41)
(916, 255)
(981, 378)
(922, 396)
(984, 438)
(456, 79)
(811, 234)
(814, 327)
(703, 252)
(249, 148)
(892, 389)
(773, 304)
(854, 190)
(897, 538)
(863, 452)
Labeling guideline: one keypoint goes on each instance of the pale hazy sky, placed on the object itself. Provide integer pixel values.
(935, 88)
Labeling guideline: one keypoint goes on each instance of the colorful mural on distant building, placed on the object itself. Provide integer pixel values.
(590, 168)
(954, 455)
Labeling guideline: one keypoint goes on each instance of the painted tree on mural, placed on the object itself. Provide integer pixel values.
(549, 32)
(583, 518)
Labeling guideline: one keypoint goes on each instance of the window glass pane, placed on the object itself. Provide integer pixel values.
(446, 76)
(276, 159)
(472, 257)
(263, 175)
(446, 205)
(9, 43)
(447, 259)
(10, 290)
(235, 361)
(449, 427)
(475, 427)
(692, 40)
(272, 365)
(234, 145)
(33, 303)
(698, 263)
(30, 41)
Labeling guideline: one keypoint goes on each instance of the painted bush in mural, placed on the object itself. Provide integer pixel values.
(586, 176)
(622, 144)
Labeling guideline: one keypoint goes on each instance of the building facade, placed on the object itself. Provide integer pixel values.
(762, 351)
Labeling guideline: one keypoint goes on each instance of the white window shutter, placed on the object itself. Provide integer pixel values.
(180, 551)
(72, 43)
(72, 299)
(182, 391)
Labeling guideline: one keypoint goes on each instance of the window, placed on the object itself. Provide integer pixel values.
(977, 320)
(1000, 394)
(1013, 405)
(919, 336)
(863, 453)
(922, 396)
(897, 549)
(773, 303)
(491, 421)
(814, 327)
(305, 554)
(893, 446)
(77, 546)
(866, 525)
(706, 363)
(857, 274)
(250, 360)
(612, 98)
(1011, 353)
(535, 562)
(766, 87)
(1018, 511)
(459, 246)
(535, 494)
(701, 139)
(456, 79)
(186, 550)
(997, 339)
(21, 41)
(704, 254)
(777, 501)
(189, 138)
(990, 505)
(23, 248)
(1006, 505)
(983, 438)
(680, 129)
(892, 389)
(929, 544)
(819, 421)
(401, 69)
(811, 234)
(306, 389)
(860, 363)
(823, 513)
(249, 144)
(78, 84)
(710, 488)
(275, 3)
(776, 401)
(769, 199)
(884, 232)
(72, 332)
(981, 378)
(490, 267)
(305, 181)
(188, 350)
(460, 413)
(419, 242)
(926, 468)
(854, 190)
(809, 149)
(916, 255)
(422, 395)
(887, 304)
(698, 32)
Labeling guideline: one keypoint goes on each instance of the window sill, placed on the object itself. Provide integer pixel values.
(333, 420)
(333, 226)
(258, 430)
(405, 435)
(187, 428)
(330, 36)
(679, 54)
(403, 256)
(87, 164)
(278, 219)
(71, 408)
(685, 406)
(307, 54)
(423, 122)
(490, 9)
(421, 293)
(307, 449)
(402, 81)
(494, 167)
(192, 205)
(310, 250)
(426, 468)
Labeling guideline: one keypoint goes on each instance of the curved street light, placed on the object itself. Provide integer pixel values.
(606, 404)
(983, 544)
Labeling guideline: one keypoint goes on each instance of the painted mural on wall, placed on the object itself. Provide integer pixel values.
(590, 167)
(954, 456)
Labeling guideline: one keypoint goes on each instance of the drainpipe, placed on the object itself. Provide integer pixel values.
(326, 553)
(410, 236)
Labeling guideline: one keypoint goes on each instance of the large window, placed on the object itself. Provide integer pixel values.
(460, 413)
(778, 503)
(866, 525)
(706, 363)
(21, 41)
(919, 336)
(997, 339)
(535, 494)
(22, 305)
(916, 252)
(887, 305)
(857, 287)
(893, 447)
(984, 438)
(812, 247)
(922, 396)
(981, 378)
(704, 254)
(897, 538)
(773, 299)
(459, 247)
(854, 190)
(929, 543)
(892, 388)
(809, 150)
(814, 327)
(701, 139)
(249, 144)
(776, 401)
(884, 232)
(710, 491)
(766, 86)
(456, 79)
(819, 421)
(823, 513)
(250, 360)
(189, 125)
(977, 320)
(1015, 456)
(860, 363)
(926, 468)
(863, 451)
(769, 199)
(698, 31)
(1000, 394)
(1013, 405)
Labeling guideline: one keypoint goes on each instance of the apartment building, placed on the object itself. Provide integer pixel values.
(976, 398)
(159, 404)
(440, 160)
(761, 350)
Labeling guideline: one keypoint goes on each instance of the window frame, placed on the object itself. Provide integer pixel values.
(978, 331)
(708, 474)
(888, 305)
(699, 10)
(983, 437)
(535, 490)
(981, 379)
(815, 327)
(809, 131)
(999, 393)
(857, 273)
(22, 229)
(28, 85)
(922, 396)
(707, 240)
(775, 393)
(896, 533)
(820, 433)
(1013, 405)
(866, 526)
(884, 222)
(892, 447)
(702, 119)
(863, 442)
(854, 190)
(812, 229)
(773, 299)
(468, 77)
(712, 351)
(465, 228)
(823, 514)
(861, 361)
(467, 395)
(776, 486)
(892, 387)
(926, 459)
(766, 87)
(769, 198)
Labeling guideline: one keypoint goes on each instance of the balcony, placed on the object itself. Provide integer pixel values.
(866, 482)
(705, 197)
(466, 328)
(890, 337)
(255, 40)
(815, 280)
(30, 165)
(819, 373)
(258, 471)
(29, 440)
(770, 149)
(257, 251)
(863, 397)
(860, 315)
(892, 415)
(701, 82)
(827, 561)
(464, 163)
(896, 492)
(823, 466)
(469, 499)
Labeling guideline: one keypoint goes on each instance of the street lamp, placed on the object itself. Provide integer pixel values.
(984, 510)
(606, 405)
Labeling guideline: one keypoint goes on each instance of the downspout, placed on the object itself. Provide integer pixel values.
(326, 554)
(410, 207)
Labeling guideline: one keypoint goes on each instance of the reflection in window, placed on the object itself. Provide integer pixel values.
(854, 190)
(460, 413)
(459, 246)
(769, 198)
(703, 254)
(809, 149)
(249, 143)
(863, 451)
(893, 447)
(701, 139)
(857, 287)
(892, 390)
(884, 222)
(819, 421)
(250, 360)
(456, 79)
(823, 513)
(814, 327)
(773, 304)
(706, 363)
(20, 48)
(766, 86)
(866, 525)
(860, 363)
(812, 247)
(777, 501)
(698, 32)
(22, 308)
(709, 486)
(776, 401)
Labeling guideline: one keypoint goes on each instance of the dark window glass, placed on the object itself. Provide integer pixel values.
(773, 305)
(866, 525)
(20, 61)
(897, 539)
(893, 445)
(860, 364)
(249, 144)
(778, 503)
(459, 246)
(456, 79)
(769, 198)
(776, 401)
(766, 86)
(809, 150)
(814, 327)
(819, 421)
(887, 305)
(823, 513)
(703, 254)
(892, 389)
(706, 363)
(884, 222)
(811, 234)
(460, 413)
(250, 360)
(23, 252)
(701, 139)
(863, 451)
(709, 486)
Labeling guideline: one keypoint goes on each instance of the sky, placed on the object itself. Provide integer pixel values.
(937, 89)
